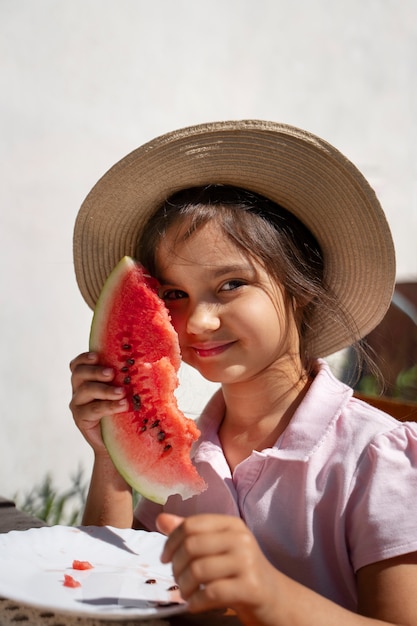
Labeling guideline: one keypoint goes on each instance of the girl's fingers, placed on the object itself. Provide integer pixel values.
(88, 391)
(86, 367)
(87, 417)
(203, 558)
(95, 410)
(166, 523)
(85, 357)
(197, 526)
(202, 571)
(85, 373)
(92, 400)
(220, 593)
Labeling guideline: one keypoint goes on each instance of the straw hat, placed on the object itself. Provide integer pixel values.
(288, 165)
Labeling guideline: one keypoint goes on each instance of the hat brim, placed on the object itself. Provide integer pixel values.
(296, 169)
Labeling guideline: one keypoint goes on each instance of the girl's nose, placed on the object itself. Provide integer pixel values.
(203, 318)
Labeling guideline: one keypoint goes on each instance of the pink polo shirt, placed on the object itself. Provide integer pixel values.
(336, 492)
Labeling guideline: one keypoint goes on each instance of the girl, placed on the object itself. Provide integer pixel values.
(272, 251)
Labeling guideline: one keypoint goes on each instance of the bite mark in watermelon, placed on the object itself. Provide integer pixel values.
(131, 331)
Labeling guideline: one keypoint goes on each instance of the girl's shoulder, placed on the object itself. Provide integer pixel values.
(365, 416)
(384, 432)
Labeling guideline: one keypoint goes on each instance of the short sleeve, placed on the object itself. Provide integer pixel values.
(382, 509)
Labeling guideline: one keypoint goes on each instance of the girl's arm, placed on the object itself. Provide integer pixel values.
(109, 500)
(388, 590)
(217, 563)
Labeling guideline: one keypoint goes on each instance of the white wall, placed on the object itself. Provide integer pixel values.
(83, 82)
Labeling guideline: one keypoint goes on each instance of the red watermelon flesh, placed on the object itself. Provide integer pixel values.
(131, 331)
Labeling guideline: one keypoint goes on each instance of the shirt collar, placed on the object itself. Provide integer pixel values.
(308, 427)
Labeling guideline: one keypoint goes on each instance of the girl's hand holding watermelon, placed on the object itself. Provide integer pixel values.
(110, 497)
(93, 396)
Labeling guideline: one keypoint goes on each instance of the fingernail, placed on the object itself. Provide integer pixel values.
(107, 371)
(118, 390)
(91, 356)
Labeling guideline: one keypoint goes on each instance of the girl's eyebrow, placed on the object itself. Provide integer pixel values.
(230, 269)
(216, 271)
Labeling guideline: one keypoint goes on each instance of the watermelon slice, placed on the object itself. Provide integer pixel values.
(131, 331)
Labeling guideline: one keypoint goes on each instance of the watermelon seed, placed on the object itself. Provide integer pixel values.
(130, 361)
(151, 581)
(124, 369)
(145, 420)
(173, 588)
(126, 346)
(161, 435)
(136, 402)
(127, 380)
(167, 447)
(155, 424)
(142, 430)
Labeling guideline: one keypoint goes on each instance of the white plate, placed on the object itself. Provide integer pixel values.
(33, 563)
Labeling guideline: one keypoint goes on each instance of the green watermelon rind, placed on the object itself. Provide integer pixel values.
(104, 302)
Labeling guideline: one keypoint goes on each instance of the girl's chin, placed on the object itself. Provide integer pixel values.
(217, 374)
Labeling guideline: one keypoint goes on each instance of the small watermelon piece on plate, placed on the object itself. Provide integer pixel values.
(131, 331)
(69, 581)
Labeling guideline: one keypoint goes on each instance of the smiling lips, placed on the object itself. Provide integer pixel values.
(210, 349)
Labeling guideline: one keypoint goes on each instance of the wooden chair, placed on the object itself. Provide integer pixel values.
(403, 411)
(394, 344)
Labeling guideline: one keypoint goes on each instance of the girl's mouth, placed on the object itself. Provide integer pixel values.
(211, 349)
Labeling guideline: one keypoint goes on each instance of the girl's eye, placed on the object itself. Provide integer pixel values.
(173, 294)
(232, 284)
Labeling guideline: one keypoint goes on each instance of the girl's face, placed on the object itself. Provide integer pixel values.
(231, 319)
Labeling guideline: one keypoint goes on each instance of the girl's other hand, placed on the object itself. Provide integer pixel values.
(93, 396)
(217, 563)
